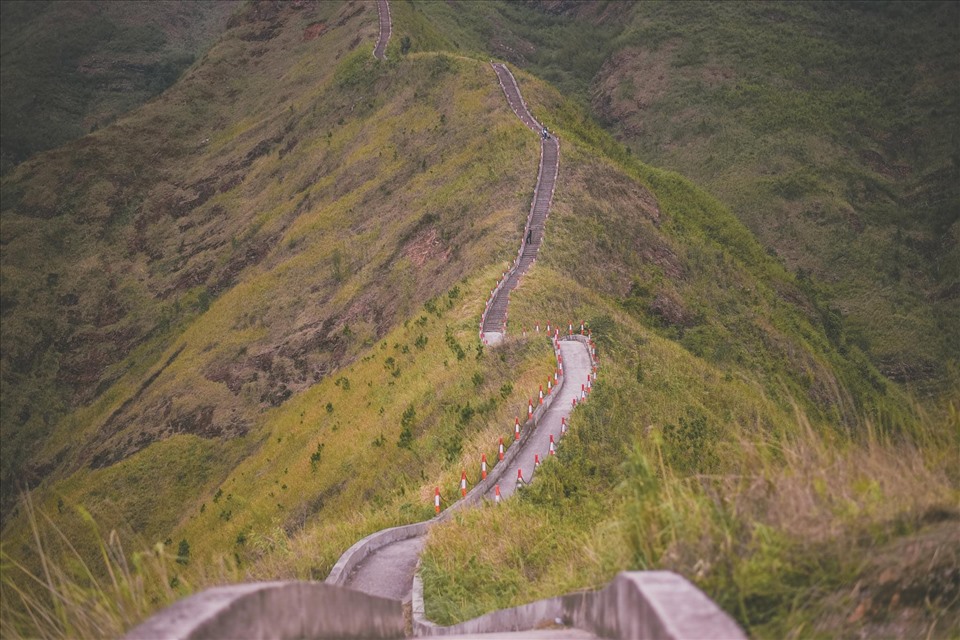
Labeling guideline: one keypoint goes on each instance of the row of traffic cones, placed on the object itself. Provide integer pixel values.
(585, 389)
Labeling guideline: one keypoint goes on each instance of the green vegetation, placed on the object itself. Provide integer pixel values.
(767, 460)
(258, 339)
(70, 68)
(829, 129)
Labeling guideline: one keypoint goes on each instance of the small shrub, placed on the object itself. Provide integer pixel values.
(315, 456)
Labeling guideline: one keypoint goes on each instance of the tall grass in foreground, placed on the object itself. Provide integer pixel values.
(785, 529)
(66, 597)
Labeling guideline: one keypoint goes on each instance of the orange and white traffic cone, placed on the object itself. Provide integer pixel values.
(436, 500)
(573, 402)
(483, 466)
(563, 427)
(463, 483)
(520, 481)
(570, 328)
(556, 376)
(538, 327)
(581, 327)
(583, 392)
(549, 386)
(501, 448)
(516, 428)
(496, 494)
(553, 449)
(529, 408)
(541, 394)
(536, 461)
(548, 327)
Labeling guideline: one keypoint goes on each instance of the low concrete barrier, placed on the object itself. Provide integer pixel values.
(364, 547)
(659, 605)
(277, 610)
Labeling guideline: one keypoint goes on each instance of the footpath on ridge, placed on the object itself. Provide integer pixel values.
(384, 563)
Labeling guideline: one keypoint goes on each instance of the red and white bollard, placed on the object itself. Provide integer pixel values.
(553, 449)
(483, 466)
(573, 402)
(463, 483)
(563, 427)
(536, 461)
(501, 448)
(436, 500)
(516, 428)
(496, 494)
(583, 392)
(520, 481)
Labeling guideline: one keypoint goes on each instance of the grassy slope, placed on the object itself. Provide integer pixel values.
(828, 129)
(321, 221)
(382, 194)
(746, 450)
(72, 67)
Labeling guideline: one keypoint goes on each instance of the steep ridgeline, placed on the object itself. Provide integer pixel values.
(384, 563)
(494, 320)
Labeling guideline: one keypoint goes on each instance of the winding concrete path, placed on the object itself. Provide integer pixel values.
(388, 570)
(386, 28)
(493, 325)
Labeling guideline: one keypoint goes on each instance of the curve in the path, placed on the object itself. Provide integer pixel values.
(388, 572)
(386, 28)
(493, 323)
(384, 563)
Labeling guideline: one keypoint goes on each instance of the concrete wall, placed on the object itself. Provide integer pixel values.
(638, 604)
(278, 610)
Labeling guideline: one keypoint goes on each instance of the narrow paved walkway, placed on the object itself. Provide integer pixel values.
(495, 316)
(386, 28)
(576, 368)
(388, 572)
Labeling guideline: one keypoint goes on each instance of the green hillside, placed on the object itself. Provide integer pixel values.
(69, 68)
(828, 129)
(240, 329)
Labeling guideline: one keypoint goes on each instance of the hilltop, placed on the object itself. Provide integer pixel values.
(240, 322)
